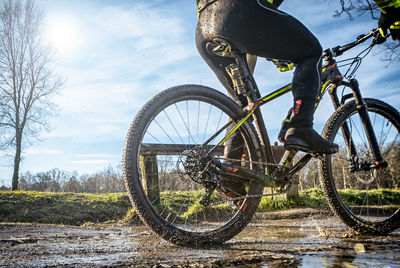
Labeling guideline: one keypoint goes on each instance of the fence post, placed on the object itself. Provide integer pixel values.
(149, 170)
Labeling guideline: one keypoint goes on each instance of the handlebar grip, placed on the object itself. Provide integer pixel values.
(337, 51)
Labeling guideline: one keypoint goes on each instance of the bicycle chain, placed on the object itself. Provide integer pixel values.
(248, 161)
(251, 196)
(199, 175)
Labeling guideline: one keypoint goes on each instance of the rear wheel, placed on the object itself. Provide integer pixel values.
(364, 198)
(167, 167)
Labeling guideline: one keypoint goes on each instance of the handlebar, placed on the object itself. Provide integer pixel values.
(378, 39)
(329, 54)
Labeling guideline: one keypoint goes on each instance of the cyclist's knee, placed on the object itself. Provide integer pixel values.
(317, 50)
(314, 55)
(310, 53)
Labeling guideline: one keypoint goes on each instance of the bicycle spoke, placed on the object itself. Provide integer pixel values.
(219, 121)
(361, 134)
(185, 123)
(365, 199)
(164, 131)
(198, 118)
(208, 118)
(173, 130)
(187, 119)
(383, 140)
(173, 126)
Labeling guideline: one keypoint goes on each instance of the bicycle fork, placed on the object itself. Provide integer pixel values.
(367, 125)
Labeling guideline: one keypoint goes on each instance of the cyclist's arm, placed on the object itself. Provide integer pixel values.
(384, 5)
(390, 17)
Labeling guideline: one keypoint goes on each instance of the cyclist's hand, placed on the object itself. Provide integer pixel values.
(395, 30)
(390, 20)
(283, 66)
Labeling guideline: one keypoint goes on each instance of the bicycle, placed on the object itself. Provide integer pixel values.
(176, 175)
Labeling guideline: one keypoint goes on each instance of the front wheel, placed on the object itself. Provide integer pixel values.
(364, 198)
(168, 167)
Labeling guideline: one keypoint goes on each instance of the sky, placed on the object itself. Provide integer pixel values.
(115, 55)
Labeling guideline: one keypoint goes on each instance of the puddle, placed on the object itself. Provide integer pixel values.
(271, 243)
(369, 259)
(321, 243)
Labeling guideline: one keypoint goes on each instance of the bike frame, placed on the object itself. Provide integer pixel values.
(332, 79)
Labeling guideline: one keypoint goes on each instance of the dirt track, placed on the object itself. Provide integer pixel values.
(313, 241)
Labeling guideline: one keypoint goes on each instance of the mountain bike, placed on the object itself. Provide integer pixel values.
(177, 176)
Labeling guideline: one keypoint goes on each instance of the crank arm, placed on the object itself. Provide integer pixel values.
(299, 165)
(246, 174)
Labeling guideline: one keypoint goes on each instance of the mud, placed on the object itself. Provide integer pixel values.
(308, 240)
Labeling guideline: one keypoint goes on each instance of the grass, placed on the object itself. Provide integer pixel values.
(61, 208)
(77, 209)
(309, 198)
(377, 197)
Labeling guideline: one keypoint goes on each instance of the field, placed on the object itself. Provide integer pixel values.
(78, 208)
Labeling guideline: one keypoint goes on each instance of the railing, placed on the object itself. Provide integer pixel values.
(150, 172)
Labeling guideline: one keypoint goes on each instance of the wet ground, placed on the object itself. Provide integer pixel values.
(312, 241)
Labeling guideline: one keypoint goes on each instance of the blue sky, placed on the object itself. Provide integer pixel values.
(117, 54)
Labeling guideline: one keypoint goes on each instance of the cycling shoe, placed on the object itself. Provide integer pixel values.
(306, 139)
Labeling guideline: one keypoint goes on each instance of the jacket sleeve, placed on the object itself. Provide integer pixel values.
(385, 4)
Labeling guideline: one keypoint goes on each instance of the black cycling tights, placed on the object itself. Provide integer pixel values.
(258, 28)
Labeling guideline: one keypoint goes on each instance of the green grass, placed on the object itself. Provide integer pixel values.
(375, 197)
(76, 209)
(309, 198)
(61, 208)
(314, 198)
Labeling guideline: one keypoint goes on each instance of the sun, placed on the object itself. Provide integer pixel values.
(62, 34)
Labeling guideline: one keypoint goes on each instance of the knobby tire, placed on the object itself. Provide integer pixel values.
(358, 214)
(149, 212)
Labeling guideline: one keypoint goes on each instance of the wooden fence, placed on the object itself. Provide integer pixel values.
(150, 172)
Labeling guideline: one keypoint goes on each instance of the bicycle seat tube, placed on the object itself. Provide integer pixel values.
(252, 93)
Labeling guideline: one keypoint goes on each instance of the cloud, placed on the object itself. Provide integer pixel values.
(145, 25)
(98, 156)
(38, 151)
(89, 162)
(131, 53)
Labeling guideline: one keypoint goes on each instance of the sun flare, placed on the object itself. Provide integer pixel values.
(62, 34)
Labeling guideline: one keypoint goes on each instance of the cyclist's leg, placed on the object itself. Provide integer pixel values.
(234, 145)
(258, 28)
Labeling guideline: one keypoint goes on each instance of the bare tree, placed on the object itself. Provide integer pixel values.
(354, 8)
(26, 80)
(358, 8)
